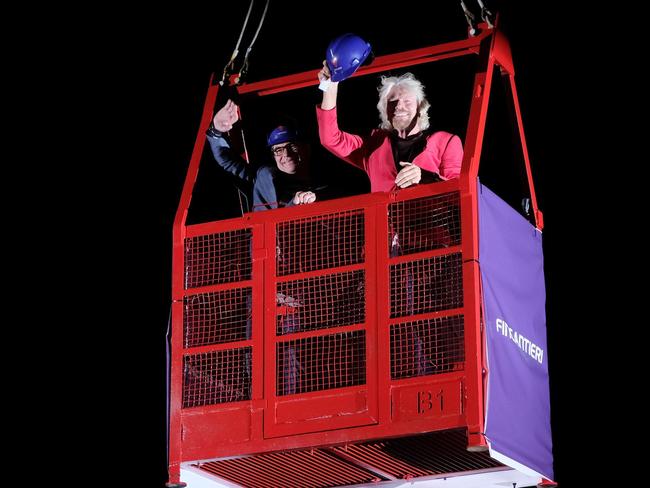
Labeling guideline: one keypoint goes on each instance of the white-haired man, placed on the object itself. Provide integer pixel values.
(402, 151)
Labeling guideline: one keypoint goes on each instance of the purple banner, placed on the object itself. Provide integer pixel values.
(518, 425)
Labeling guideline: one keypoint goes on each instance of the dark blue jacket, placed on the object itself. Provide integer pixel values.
(272, 188)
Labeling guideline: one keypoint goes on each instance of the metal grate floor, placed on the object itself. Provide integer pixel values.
(406, 458)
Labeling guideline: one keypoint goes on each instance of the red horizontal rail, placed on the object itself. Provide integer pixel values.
(380, 63)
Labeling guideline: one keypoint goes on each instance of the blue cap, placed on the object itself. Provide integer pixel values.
(280, 134)
(345, 54)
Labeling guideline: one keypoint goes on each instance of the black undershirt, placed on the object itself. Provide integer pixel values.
(407, 149)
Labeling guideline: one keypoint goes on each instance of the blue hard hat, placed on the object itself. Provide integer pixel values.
(345, 54)
(280, 134)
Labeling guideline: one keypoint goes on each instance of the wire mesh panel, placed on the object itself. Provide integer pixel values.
(321, 302)
(427, 347)
(216, 318)
(321, 363)
(426, 285)
(423, 224)
(218, 258)
(217, 377)
(321, 242)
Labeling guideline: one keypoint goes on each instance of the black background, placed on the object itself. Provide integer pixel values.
(156, 82)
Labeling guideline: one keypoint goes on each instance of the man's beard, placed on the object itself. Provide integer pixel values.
(400, 123)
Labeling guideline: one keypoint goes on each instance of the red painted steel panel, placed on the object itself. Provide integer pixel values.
(431, 400)
(324, 409)
(222, 426)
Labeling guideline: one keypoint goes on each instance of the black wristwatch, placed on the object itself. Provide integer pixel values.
(213, 132)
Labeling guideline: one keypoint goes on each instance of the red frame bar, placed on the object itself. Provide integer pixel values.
(380, 63)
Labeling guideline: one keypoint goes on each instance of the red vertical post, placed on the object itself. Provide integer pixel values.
(260, 255)
(503, 56)
(270, 317)
(539, 217)
(178, 291)
(474, 394)
(381, 303)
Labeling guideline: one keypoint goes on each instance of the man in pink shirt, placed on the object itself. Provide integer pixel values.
(402, 151)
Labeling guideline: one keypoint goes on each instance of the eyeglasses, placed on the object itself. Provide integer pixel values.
(280, 150)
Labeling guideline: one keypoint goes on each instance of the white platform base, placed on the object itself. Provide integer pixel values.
(196, 478)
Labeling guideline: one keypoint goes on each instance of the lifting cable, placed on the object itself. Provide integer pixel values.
(244, 67)
(471, 20)
(486, 16)
(225, 82)
(235, 53)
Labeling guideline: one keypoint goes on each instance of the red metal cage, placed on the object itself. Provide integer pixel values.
(340, 322)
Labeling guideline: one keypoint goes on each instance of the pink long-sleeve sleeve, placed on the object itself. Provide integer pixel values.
(452, 159)
(443, 155)
(342, 144)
